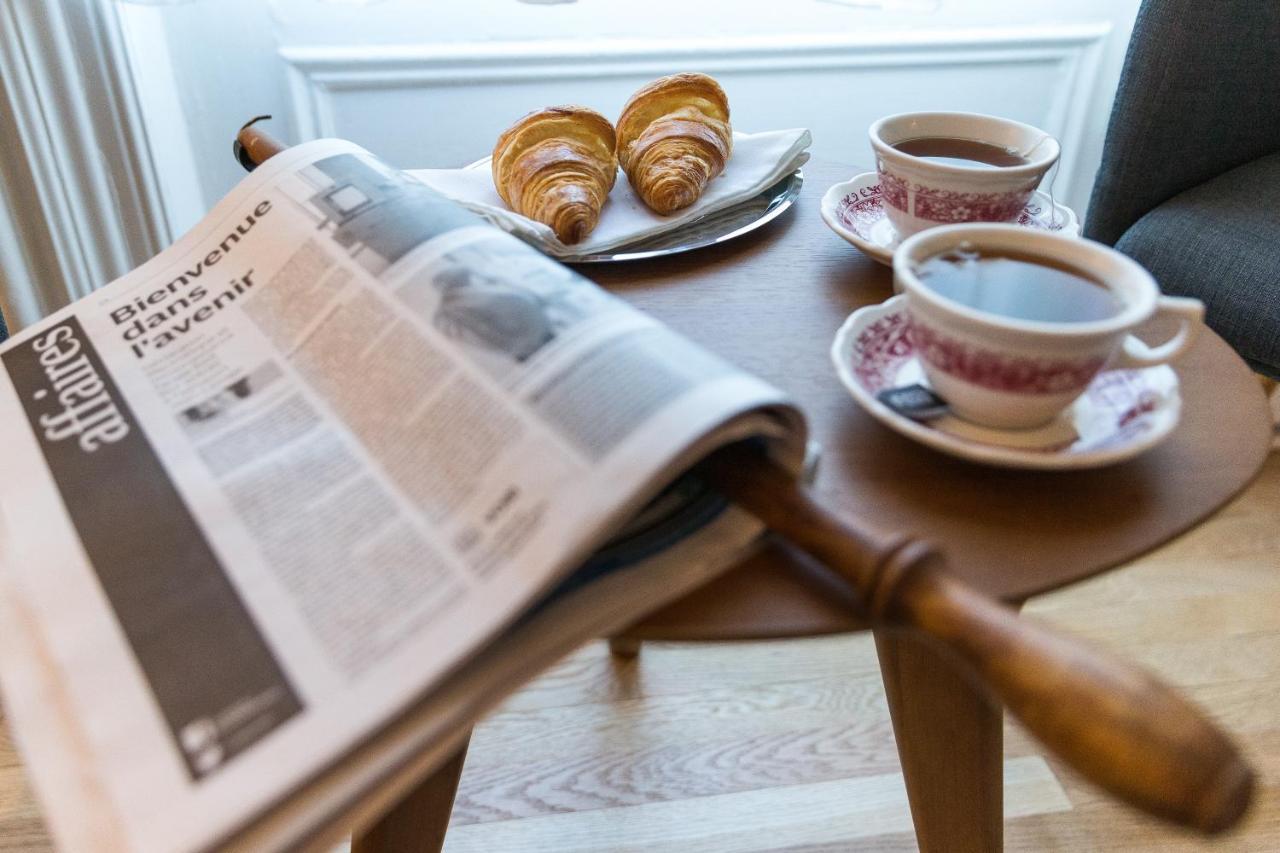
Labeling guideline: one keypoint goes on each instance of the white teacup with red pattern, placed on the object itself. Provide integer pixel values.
(1011, 373)
(922, 193)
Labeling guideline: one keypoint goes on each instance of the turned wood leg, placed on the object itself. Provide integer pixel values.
(624, 647)
(418, 823)
(1272, 389)
(950, 742)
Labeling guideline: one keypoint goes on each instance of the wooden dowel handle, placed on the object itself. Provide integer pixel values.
(255, 146)
(1114, 724)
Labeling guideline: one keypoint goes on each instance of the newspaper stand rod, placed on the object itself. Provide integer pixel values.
(1114, 724)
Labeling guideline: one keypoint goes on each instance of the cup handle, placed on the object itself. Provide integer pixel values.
(1135, 353)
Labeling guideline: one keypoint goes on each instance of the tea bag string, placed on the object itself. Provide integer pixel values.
(1044, 137)
(1053, 179)
(1053, 202)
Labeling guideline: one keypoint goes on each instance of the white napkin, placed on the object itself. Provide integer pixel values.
(759, 160)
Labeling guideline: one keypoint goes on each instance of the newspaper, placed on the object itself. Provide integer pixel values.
(267, 490)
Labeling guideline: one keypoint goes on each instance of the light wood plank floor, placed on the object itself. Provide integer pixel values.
(788, 747)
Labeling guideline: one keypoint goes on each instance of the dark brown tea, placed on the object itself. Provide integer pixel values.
(960, 152)
(1022, 288)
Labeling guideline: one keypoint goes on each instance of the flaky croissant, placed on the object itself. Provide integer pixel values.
(674, 137)
(557, 165)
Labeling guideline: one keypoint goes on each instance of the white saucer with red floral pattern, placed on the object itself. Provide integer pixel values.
(855, 211)
(1123, 412)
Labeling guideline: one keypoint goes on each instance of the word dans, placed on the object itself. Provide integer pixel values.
(147, 313)
(144, 333)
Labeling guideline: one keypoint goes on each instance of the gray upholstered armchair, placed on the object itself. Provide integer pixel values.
(1190, 177)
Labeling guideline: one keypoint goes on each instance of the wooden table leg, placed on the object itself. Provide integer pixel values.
(418, 823)
(624, 647)
(950, 742)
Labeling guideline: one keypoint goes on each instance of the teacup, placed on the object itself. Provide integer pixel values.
(920, 193)
(1010, 373)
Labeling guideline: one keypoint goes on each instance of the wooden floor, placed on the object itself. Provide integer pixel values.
(787, 746)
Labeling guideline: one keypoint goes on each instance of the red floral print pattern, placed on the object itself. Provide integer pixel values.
(895, 190)
(879, 349)
(936, 205)
(948, 206)
(859, 211)
(1000, 372)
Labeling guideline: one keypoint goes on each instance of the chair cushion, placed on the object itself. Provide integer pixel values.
(1197, 96)
(1220, 242)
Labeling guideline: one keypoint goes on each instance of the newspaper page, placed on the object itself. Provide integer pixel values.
(271, 486)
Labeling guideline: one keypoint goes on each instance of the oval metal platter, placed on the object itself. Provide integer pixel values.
(708, 230)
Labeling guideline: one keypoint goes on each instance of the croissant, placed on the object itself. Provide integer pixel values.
(674, 137)
(557, 165)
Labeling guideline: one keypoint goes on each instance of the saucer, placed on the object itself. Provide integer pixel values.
(855, 211)
(1121, 414)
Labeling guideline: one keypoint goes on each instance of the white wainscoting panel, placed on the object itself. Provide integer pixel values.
(444, 105)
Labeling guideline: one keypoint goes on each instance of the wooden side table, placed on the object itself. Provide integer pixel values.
(771, 303)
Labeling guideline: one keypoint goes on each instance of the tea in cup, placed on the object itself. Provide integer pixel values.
(945, 168)
(1012, 325)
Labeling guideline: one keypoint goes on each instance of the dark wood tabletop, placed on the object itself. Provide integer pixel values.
(771, 302)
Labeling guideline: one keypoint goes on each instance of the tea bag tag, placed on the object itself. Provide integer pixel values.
(914, 401)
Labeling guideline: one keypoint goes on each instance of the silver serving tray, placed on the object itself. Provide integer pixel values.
(707, 230)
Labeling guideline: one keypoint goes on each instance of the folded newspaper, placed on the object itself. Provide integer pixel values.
(290, 506)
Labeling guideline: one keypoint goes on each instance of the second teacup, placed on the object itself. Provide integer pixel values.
(942, 168)
(1011, 326)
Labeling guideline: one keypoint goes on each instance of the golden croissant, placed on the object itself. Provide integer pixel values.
(557, 166)
(673, 138)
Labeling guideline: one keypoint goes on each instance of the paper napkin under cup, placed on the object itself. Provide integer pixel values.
(759, 160)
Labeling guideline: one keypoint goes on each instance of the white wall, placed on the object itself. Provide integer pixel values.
(433, 83)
